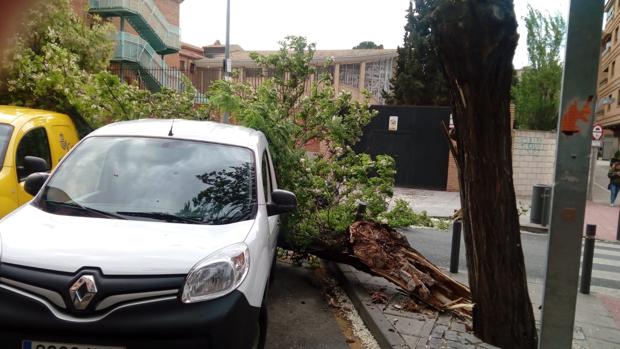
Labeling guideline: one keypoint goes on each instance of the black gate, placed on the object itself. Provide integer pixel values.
(416, 143)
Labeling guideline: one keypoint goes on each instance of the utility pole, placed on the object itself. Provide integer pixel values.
(571, 173)
(227, 62)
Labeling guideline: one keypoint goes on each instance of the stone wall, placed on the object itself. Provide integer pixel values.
(533, 160)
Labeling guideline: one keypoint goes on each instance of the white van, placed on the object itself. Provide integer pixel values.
(149, 234)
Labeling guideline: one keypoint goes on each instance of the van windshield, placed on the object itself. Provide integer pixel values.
(6, 131)
(159, 179)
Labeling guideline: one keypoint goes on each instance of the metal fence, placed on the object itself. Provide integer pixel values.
(143, 78)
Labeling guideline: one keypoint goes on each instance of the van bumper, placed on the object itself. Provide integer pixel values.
(226, 322)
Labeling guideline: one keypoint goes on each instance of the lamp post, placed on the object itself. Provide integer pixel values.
(227, 62)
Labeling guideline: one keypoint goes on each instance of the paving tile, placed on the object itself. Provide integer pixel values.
(413, 341)
(408, 326)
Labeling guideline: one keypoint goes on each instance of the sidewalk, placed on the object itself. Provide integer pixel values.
(395, 327)
(444, 204)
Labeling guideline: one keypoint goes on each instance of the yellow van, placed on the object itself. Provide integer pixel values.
(26, 137)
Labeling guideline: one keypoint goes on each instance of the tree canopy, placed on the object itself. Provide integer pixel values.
(418, 79)
(537, 92)
(367, 45)
(58, 61)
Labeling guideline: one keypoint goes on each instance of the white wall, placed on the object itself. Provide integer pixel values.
(533, 160)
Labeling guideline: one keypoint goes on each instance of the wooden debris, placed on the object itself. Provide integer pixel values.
(387, 253)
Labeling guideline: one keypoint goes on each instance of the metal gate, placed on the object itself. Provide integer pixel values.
(413, 137)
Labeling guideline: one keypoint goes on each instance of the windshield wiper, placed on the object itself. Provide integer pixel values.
(162, 216)
(76, 206)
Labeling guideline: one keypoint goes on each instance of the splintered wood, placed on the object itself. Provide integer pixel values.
(386, 253)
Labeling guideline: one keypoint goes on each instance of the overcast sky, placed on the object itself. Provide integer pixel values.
(331, 24)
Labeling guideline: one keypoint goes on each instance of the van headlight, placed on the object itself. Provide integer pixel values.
(218, 274)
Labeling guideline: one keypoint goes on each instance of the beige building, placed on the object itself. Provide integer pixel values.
(351, 70)
(608, 90)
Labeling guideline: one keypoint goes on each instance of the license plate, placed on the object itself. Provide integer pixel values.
(27, 344)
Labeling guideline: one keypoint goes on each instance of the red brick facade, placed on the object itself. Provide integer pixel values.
(169, 8)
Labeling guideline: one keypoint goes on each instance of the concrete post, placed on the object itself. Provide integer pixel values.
(571, 173)
(362, 80)
(337, 77)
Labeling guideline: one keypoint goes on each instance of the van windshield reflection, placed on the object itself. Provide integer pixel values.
(170, 180)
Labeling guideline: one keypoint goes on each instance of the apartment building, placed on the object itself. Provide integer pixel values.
(608, 90)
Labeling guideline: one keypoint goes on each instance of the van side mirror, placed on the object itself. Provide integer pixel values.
(34, 182)
(282, 201)
(33, 164)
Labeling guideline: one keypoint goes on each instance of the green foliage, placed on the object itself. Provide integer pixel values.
(418, 79)
(403, 216)
(57, 62)
(537, 93)
(330, 184)
(367, 45)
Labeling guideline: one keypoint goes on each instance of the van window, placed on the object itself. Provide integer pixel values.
(34, 143)
(6, 131)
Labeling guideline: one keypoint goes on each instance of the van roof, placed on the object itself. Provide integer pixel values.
(206, 131)
(18, 116)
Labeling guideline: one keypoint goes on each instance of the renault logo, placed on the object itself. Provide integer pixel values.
(83, 291)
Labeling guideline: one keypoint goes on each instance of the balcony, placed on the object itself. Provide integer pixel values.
(146, 18)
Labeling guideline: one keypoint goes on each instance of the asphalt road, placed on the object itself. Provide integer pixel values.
(299, 316)
(435, 245)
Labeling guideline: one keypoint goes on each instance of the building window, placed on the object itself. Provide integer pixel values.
(252, 73)
(618, 100)
(616, 35)
(350, 75)
(182, 64)
(613, 68)
(609, 104)
(192, 67)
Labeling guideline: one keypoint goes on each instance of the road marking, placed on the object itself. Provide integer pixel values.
(607, 245)
(605, 290)
(605, 261)
(606, 275)
(606, 253)
(600, 186)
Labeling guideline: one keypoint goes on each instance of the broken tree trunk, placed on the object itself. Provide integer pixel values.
(476, 41)
(381, 251)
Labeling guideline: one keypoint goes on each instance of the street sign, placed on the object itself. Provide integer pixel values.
(597, 132)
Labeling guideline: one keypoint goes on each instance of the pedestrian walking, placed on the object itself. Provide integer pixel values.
(614, 181)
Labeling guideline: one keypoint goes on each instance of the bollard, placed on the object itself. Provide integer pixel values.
(456, 246)
(361, 211)
(588, 255)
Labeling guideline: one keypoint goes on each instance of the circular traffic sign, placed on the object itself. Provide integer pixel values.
(597, 132)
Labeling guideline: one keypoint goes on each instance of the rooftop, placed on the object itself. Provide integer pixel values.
(241, 57)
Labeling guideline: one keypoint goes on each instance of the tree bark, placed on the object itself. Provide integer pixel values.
(476, 41)
(381, 251)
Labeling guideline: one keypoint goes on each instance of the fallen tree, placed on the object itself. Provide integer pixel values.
(381, 251)
(330, 183)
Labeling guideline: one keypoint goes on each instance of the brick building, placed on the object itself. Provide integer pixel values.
(608, 90)
(147, 40)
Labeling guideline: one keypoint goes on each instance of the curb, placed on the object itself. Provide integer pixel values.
(379, 326)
